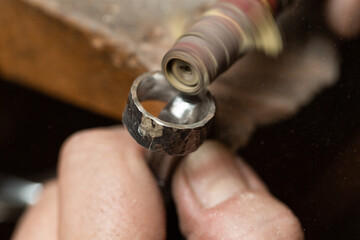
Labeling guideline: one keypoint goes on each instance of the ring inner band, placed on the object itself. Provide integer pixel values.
(180, 108)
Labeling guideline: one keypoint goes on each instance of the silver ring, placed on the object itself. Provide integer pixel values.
(181, 126)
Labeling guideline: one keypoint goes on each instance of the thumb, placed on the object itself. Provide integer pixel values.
(220, 197)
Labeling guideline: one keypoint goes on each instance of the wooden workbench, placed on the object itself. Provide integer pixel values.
(87, 53)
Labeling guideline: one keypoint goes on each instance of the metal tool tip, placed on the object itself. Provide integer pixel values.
(183, 75)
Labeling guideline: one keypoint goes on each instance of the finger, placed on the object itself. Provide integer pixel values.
(252, 179)
(40, 221)
(106, 189)
(216, 200)
(344, 17)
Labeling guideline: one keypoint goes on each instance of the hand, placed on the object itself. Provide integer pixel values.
(105, 191)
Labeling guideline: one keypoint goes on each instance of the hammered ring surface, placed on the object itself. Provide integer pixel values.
(181, 126)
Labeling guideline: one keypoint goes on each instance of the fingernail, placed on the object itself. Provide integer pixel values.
(213, 174)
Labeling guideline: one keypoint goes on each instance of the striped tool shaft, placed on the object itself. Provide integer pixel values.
(225, 32)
